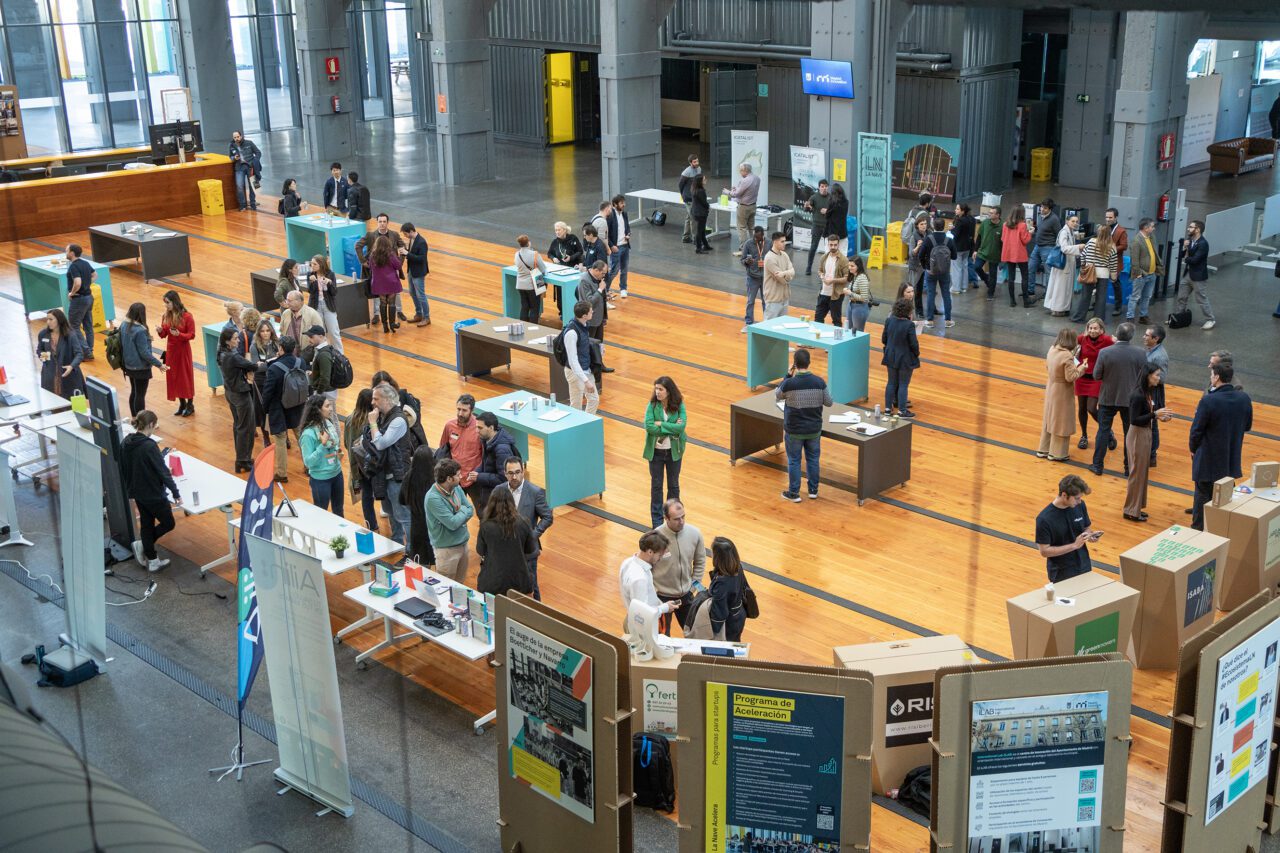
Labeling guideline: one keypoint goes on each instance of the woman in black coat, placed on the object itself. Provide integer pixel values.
(699, 209)
(238, 389)
(146, 480)
(60, 354)
(901, 357)
(505, 543)
(838, 214)
(290, 201)
(413, 494)
(728, 582)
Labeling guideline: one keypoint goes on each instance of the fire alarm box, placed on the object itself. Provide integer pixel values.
(337, 104)
(332, 68)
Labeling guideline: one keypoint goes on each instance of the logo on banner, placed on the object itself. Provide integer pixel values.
(1098, 636)
(909, 717)
(255, 518)
(1200, 592)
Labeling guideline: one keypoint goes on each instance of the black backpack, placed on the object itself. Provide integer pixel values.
(1179, 319)
(654, 779)
(558, 351)
(295, 388)
(916, 791)
(341, 375)
(939, 259)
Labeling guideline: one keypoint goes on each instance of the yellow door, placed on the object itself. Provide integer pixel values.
(559, 97)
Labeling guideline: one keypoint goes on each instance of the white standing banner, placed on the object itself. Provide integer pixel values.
(83, 552)
(8, 508)
(751, 147)
(808, 166)
(1202, 118)
(293, 609)
(1270, 217)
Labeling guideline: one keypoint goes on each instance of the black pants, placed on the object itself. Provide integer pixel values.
(679, 614)
(1204, 494)
(138, 382)
(1106, 414)
(1009, 268)
(814, 240)
(530, 306)
(660, 463)
(827, 305)
(700, 233)
(916, 278)
(156, 519)
(242, 425)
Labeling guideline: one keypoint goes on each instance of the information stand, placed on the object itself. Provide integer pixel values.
(1087, 614)
(1224, 717)
(757, 727)
(564, 723)
(1031, 755)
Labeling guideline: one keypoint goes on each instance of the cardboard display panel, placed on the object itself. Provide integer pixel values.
(1175, 573)
(902, 674)
(758, 728)
(1031, 755)
(1087, 614)
(1252, 523)
(1224, 719)
(564, 732)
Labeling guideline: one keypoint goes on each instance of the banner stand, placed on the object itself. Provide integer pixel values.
(8, 509)
(238, 765)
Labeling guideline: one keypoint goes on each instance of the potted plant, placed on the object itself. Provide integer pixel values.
(339, 544)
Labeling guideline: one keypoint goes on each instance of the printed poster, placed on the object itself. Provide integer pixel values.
(1243, 715)
(908, 714)
(925, 164)
(659, 698)
(1098, 636)
(774, 768)
(1200, 592)
(549, 719)
(874, 182)
(1036, 773)
(808, 166)
(751, 146)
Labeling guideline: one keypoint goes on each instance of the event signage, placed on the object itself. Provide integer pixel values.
(908, 714)
(1098, 636)
(1200, 592)
(808, 166)
(826, 78)
(83, 557)
(774, 762)
(875, 181)
(1244, 713)
(1036, 767)
(925, 164)
(659, 698)
(550, 728)
(751, 147)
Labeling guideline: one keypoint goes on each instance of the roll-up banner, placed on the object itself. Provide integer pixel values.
(751, 147)
(83, 557)
(808, 166)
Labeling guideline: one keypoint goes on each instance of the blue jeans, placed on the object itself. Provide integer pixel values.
(755, 290)
(618, 263)
(418, 293)
(328, 494)
(895, 390)
(812, 449)
(80, 315)
(399, 512)
(1035, 258)
(933, 283)
(244, 185)
(533, 573)
(1140, 296)
(978, 268)
(857, 313)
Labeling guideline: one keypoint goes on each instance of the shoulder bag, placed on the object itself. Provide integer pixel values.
(749, 602)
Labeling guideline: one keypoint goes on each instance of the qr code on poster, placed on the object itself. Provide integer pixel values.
(1084, 812)
(1088, 785)
(826, 821)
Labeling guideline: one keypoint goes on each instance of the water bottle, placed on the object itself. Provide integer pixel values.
(535, 404)
(877, 411)
(553, 399)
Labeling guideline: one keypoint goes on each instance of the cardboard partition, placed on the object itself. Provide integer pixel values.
(806, 728)
(1087, 614)
(564, 724)
(1252, 523)
(1031, 755)
(902, 676)
(1224, 719)
(1175, 573)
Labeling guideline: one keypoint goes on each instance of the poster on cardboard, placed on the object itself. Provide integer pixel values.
(774, 768)
(925, 164)
(549, 719)
(1200, 593)
(1273, 544)
(908, 714)
(808, 166)
(659, 698)
(1244, 709)
(1036, 772)
(751, 147)
(1098, 636)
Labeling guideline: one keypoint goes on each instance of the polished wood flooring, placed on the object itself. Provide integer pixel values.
(940, 555)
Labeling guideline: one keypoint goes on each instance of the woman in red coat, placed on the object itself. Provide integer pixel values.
(1094, 340)
(179, 327)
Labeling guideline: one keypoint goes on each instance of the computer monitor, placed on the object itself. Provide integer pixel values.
(104, 411)
(826, 78)
(104, 415)
(164, 140)
(189, 136)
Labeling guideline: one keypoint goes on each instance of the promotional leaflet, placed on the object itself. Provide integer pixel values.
(774, 768)
(549, 719)
(1035, 773)
(659, 698)
(1244, 712)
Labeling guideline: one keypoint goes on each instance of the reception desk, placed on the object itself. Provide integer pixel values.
(73, 203)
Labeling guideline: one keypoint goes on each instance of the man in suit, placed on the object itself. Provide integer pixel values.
(335, 189)
(1223, 416)
(619, 243)
(531, 502)
(1197, 274)
(359, 207)
(415, 254)
(1121, 368)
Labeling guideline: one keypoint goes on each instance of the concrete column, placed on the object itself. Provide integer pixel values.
(865, 33)
(1088, 97)
(321, 32)
(1150, 102)
(211, 70)
(630, 92)
(463, 100)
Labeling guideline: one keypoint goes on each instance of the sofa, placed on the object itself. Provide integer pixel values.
(1245, 154)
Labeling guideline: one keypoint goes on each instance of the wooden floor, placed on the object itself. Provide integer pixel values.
(940, 555)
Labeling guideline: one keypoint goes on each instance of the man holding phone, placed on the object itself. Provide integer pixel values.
(1064, 531)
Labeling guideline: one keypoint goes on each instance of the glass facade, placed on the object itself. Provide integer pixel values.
(89, 72)
(390, 61)
(266, 63)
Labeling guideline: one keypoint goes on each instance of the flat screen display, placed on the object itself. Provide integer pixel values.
(827, 78)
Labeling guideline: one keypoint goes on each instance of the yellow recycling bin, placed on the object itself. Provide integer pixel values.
(897, 250)
(1041, 164)
(211, 197)
(99, 311)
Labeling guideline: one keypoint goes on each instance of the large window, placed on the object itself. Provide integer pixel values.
(266, 64)
(389, 64)
(1200, 62)
(89, 72)
(1268, 61)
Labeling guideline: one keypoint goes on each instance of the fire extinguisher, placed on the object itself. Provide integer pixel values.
(1162, 208)
(337, 108)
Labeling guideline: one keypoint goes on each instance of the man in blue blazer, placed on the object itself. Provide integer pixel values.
(531, 502)
(1223, 416)
(335, 189)
(1197, 274)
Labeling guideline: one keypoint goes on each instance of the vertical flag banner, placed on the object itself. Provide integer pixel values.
(255, 518)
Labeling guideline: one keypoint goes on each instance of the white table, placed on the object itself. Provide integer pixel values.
(658, 197)
(203, 488)
(469, 648)
(45, 428)
(771, 222)
(39, 401)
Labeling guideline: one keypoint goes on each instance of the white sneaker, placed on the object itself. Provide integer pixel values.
(156, 565)
(1209, 324)
(928, 324)
(951, 323)
(137, 553)
(382, 513)
(624, 294)
(737, 254)
(743, 330)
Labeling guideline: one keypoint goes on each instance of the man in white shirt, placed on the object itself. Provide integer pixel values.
(577, 368)
(745, 192)
(635, 576)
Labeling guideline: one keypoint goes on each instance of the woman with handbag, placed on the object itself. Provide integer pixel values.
(1097, 270)
(1014, 238)
(529, 265)
(915, 269)
(1142, 414)
(60, 354)
(1062, 269)
(384, 281)
(361, 486)
(729, 592)
(1059, 420)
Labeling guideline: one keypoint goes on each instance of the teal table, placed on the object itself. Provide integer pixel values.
(564, 278)
(572, 447)
(210, 333)
(847, 358)
(320, 234)
(44, 284)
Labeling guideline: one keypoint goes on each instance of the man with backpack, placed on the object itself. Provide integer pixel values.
(284, 392)
(936, 252)
(330, 369)
(389, 441)
(924, 207)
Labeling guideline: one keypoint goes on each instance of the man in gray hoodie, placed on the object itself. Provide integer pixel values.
(685, 188)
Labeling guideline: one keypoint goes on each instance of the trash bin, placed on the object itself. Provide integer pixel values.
(1041, 164)
(895, 249)
(211, 197)
(99, 308)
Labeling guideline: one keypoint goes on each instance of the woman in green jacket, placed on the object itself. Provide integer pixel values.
(664, 423)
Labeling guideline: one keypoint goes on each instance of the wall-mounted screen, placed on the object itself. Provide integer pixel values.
(827, 78)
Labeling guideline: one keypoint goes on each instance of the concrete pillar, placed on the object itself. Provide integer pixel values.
(1150, 102)
(321, 32)
(630, 92)
(1088, 97)
(865, 33)
(211, 70)
(463, 90)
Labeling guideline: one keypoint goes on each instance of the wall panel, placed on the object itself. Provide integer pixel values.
(519, 114)
(560, 24)
(784, 114)
(987, 106)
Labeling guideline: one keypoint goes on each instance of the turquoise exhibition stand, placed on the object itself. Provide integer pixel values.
(567, 281)
(768, 356)
(572, 447)
(210, 333)
(320, 234)
(44, 284)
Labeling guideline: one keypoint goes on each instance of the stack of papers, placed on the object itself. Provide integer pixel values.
(866, 429)
(501, 328)
(164, 234)
(793, 325)
(554, 415)
(846, 418)
(539, 342)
